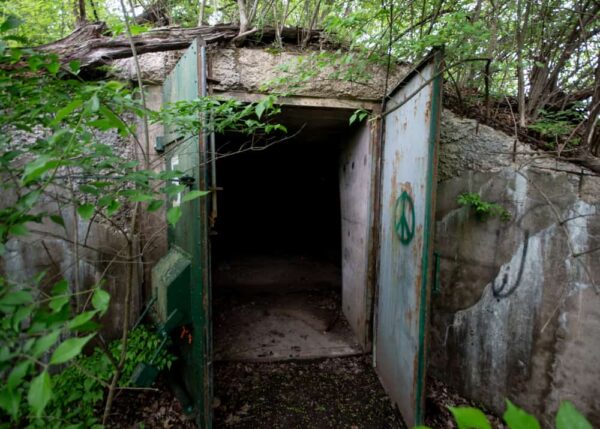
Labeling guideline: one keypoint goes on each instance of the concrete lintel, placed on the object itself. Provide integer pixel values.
(332, 103)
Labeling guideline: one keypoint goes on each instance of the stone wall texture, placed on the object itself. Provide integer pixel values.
(518, 312)
(251, 70)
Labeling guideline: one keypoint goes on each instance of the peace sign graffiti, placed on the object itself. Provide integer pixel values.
(404, 216)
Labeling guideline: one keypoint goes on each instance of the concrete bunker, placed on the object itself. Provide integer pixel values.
(291, 220)
(330, 225)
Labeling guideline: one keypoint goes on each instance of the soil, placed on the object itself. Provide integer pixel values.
(148, 409)
(309, 394)
(326, 393)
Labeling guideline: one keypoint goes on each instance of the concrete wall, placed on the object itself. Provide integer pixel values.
(518, 315)
(356, 171)
(49, 247)
(248, 70)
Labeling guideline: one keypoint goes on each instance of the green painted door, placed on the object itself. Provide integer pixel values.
(408, 178)
(181, 280)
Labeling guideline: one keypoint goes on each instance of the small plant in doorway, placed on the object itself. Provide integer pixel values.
(483, 209)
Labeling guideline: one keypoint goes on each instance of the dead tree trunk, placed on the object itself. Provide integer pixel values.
(92, 46)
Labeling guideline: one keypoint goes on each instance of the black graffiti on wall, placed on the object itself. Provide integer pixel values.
(503, 290)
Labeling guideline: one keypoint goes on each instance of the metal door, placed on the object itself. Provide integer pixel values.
(181, 279)
(408, 177)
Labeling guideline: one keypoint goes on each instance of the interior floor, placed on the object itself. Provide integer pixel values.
(276, 247)
(269, 326)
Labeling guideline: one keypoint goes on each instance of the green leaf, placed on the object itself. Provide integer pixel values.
(18, 230)
(60, 288)
(30, 198)
(173, 215)
(35, 62)
(18, 297)
(516, 418)
(81, 319)
(112, 207)
(140, 197)
(17, 374)
(192, 195)
(94, 103)
(67, 110)
(172, 190)
(85, 211)
(114, 120)
(21, 314)
(470, 418)
(114, 85)
(259, 109)
(10, 23)
(44, 343)
(155, 205)
(57, 303)
(137, 29)
(569, 418)
(53, 66)
(40, 392)
(10, 401)
(36, 168)
(100, 300)
(68, 349)
(75, 65)
(57, 219)
(353, 117)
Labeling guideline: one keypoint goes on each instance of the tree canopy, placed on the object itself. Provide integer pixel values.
(541, 58)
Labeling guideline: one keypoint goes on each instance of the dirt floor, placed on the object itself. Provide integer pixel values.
(309, 394)
(272, 326)
(326, 393)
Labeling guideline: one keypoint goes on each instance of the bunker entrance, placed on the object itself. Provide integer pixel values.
(278, 255)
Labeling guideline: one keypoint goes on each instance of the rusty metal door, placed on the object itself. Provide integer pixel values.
(181, 280)
(408, 177)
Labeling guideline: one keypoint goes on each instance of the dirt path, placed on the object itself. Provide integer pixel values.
(341, 393)
(328, 393)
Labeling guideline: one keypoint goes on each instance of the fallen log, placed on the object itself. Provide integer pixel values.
(92, 45)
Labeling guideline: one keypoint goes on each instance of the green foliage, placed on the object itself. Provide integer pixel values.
(483, 209)
(142, 347)
(516, 418)
(558, 126)
(80, 388)
(46, 21)
(358, 115)
(470, 418)
(38, 335)
(225, 116)
(53, 148)
(569, 418)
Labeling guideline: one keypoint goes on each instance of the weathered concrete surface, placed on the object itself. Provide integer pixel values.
(153, 227)
(518, 315)
(49, 246)
(249, 70)
(98, 261)
(355, 178)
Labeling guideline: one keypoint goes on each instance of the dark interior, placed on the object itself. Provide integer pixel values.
(276, 243)
(282, 201)
(279, 206)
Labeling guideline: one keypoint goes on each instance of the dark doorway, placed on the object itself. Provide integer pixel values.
(277, 245)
